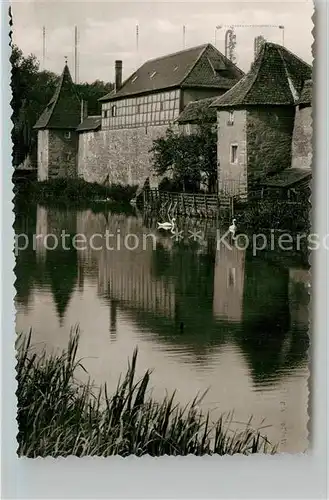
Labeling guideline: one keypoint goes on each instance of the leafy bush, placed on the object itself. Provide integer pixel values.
(271, 214)
(73, 191)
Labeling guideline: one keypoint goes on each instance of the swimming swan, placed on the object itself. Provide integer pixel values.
(167, 225)
(232, 229)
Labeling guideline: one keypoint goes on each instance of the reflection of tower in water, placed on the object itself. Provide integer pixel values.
(41, 232)
(229, 283)
(59, 262)
(299, 280)
(113, 319)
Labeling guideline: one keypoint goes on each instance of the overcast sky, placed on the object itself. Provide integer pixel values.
(107, 30)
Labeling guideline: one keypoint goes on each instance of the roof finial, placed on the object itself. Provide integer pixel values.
(65, 58)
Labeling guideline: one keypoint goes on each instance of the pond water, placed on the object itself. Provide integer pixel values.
(202, 319)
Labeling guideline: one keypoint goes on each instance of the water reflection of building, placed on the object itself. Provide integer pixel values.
(41, 232)
(271, 341)
(59, 261)
(124, 274)
(229, 283)
(183, 299)
(299, 280)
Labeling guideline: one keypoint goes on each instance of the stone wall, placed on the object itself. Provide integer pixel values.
(122, 154)
(302, 138)
(269, 137)
(43, 136)
(62, 154)
(232, 178)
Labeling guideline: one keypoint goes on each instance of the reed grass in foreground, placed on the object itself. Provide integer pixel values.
(58, 416)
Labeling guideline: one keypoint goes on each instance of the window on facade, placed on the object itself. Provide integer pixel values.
(114, 110)
(234, 153)
(230, 118)
(105, 113)
(68, 156)
(67, 134)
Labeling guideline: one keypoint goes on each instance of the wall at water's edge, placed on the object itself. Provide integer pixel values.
(62, 154)
(122, 154)
(269, 137)
(43, 137)
(302, 138)
(232, 178)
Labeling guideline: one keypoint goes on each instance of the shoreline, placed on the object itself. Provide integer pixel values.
(55, 412)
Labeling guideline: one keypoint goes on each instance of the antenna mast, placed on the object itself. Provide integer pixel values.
(137, 38)
(184, 36)
(76, 75)
(44, 47)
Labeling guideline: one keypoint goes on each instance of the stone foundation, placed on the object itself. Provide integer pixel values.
(57, 154)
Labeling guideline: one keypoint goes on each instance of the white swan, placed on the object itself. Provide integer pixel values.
(232, 229)
(167, 225)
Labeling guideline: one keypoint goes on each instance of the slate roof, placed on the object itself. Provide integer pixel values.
(275, 78)
(306, 95)
(90, 123)
(201, 66)
(287, 177)
(63, 109)
(192, 112)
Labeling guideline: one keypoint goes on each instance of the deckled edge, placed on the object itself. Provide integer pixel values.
(10, 35)
(310, 354)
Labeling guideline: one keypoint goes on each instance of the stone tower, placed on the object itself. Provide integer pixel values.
(57, 136)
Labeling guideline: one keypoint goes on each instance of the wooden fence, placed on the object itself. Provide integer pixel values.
(194, 205)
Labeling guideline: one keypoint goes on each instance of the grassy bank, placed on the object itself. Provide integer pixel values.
(73, 192)
(58, 416)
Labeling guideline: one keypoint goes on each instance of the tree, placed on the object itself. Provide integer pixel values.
(31, 90)
(188, 158)
(91, 92)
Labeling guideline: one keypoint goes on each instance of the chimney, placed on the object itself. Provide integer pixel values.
(118, 75)
(83, 110)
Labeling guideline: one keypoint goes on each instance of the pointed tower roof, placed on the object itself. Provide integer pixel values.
(276, 77)
(306, 95)
(63, 109)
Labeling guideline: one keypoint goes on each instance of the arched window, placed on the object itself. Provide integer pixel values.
(114, 110)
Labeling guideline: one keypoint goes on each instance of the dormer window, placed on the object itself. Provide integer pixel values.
(67, 134)
(114, 110)
(134, 79)
(175, 68)
(152, 75)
